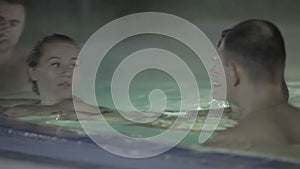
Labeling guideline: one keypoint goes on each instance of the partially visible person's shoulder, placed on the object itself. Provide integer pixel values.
(14, 75)
(288, 111)
(288, 118)
(23, 70)
(20, 57)
(294, 109)
(245, 138)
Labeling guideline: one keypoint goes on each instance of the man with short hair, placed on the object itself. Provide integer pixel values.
(13, 68)
(253, 56)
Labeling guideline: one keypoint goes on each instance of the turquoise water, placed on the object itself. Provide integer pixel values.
(139, 96)
(151, 79)
(294, 89)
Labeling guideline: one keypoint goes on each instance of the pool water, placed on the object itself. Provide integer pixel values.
(157, 126)
(163, 123)
(211, 17)
(149, 80)
(134, 129)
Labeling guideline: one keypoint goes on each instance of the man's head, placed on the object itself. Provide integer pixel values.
(12, 19)
(255, 50)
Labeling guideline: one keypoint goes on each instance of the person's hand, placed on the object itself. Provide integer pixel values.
(3, 27)
(64, 110)
(65, 115)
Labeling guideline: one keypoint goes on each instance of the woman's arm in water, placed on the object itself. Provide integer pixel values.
(14, 102)
(64, 109)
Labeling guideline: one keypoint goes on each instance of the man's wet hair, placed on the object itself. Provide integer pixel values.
(259, 47)
(36, 53)
(223, 34)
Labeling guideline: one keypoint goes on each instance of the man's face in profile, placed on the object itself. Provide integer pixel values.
(12, 18)
(221, 84)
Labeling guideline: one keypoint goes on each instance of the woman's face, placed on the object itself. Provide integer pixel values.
(54, 72)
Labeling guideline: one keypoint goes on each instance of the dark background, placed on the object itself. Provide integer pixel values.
(81, 18)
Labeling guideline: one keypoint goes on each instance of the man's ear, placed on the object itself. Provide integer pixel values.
(32, 73)
(234, 73)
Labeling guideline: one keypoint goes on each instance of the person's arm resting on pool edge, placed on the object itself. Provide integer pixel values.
(66, 107)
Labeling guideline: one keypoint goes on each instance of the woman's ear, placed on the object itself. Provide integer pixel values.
(235, 74)
(32, 73)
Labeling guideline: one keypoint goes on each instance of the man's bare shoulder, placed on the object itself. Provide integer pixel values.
(251, 132)
(14, 75)
(20, 57)
(293, 110)
(288, 115)
(288, 118)
(276, 126)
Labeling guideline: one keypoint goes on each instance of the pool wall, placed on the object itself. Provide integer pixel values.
(27, 144)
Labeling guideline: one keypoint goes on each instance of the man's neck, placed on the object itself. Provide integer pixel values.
(259, 99)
